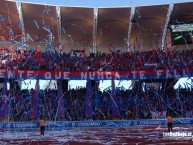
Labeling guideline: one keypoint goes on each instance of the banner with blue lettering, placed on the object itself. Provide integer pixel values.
(107, 123)
(97, 75)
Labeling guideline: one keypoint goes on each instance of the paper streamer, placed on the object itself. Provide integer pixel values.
(46, 29)
(47, 42)
(29, 37)
(36, 24)
(4, 18)
(63, 30)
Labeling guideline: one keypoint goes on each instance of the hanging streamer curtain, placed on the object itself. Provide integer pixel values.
(35, 102)
(4, 101)
(60, 112)
(88, 99)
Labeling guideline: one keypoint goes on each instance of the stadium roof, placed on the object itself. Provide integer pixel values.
(147, 31)
(77, 27)
(90, 28)
(183, 11)
(38, 20)
(112, 28)
(9, 19)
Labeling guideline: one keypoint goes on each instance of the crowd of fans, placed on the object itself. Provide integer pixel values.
(52, 60)
(145, 104)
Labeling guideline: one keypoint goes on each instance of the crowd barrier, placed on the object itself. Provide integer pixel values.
(107, 123)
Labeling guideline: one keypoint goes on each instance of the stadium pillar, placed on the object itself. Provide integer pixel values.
(4, 102)
(64, 84)
(1, 98)
(14, 86)
(115, 113)
(94, 85)
(88, 100)
(137, 88)
(168, 86)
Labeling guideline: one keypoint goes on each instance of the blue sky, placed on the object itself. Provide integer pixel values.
(105, 3)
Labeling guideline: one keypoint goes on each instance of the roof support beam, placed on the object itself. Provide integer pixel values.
(166, 24)
(129, 29)
(22, 25)
(59, 24)
(95, 29)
